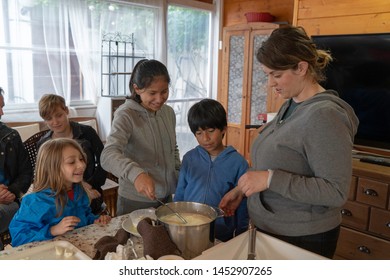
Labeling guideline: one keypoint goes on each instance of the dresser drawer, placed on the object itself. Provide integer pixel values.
(355, 215)
(352, 188)
(372, 192)
(380, 222)
(354, 245)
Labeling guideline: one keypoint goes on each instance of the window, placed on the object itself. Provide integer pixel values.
(189, 60)
(54, 46)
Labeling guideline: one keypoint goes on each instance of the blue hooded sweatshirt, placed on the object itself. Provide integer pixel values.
(205, 181)
(37, 214)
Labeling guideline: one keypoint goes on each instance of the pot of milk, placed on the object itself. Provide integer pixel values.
(195, 236)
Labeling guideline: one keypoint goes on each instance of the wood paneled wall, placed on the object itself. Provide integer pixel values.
(234, 10)
(318, 17)
(321, 17)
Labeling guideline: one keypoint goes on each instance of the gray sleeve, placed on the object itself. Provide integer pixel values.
(113, 158)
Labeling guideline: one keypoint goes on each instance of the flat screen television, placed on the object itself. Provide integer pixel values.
(360, 73)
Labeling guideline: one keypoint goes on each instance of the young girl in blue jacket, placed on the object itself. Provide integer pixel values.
(59, 202)
(210, 170)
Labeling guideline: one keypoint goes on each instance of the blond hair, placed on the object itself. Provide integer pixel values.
(49, 103)
(48, 169)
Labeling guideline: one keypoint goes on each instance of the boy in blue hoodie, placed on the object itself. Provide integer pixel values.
(210, 170)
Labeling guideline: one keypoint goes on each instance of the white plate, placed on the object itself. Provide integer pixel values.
(56, 250)
(130, 224)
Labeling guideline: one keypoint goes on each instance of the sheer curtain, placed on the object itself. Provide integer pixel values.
(85, 27)
(76, 22)
(56, 41)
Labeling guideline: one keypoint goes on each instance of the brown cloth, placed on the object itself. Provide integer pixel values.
(156, 240)
(109, 243)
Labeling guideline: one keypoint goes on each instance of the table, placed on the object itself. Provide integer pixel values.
(84, 238)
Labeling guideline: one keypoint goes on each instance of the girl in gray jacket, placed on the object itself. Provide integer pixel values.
(141, 149)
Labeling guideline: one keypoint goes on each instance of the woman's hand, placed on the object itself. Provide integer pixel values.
(103, 219)
(144, 184)
(249, 183)
(67, 224)
(230, 202)
(253, 181)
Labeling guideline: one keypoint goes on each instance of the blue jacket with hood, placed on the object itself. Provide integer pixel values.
(205, 181)
(38, 213)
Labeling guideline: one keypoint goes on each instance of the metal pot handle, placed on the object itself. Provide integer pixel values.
(220, 212)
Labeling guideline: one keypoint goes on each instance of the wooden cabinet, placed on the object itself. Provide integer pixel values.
(244, 90)
(365, 231)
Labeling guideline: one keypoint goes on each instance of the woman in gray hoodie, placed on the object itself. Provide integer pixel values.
(302, 160)
(141, 149)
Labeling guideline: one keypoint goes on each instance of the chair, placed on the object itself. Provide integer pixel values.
(27, 131)
(31, 146)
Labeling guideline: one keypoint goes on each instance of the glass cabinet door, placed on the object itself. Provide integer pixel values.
(236, 78)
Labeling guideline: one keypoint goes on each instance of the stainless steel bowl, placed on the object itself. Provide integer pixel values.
(191, 240)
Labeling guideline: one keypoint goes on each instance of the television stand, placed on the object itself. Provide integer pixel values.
(376, 160)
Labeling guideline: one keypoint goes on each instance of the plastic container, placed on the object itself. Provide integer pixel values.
(259, 17)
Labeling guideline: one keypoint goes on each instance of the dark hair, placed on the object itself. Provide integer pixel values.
(207, 113)
(287, 46)
(144, 72)
(1, 91)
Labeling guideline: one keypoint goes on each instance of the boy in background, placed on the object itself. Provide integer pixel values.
(210, 170)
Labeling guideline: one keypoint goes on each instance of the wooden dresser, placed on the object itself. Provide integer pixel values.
(365, 231)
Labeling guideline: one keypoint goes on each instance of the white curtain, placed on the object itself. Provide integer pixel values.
(56, 40)
(86, 28)
(87, 41)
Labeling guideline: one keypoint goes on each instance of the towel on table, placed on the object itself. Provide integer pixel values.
(156, 240)
(109, 243)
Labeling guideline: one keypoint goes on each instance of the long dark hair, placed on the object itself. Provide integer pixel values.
(144, 72)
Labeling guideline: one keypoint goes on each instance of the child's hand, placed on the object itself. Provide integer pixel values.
(230, 201)
(67, 224)
(103, 219)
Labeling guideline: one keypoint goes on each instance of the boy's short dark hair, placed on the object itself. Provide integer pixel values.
(207, 113)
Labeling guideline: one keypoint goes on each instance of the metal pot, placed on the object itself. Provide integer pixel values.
(191, 240)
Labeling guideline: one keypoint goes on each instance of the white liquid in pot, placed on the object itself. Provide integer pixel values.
(193, 219)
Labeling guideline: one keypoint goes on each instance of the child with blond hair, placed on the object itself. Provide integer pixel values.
(59, 203)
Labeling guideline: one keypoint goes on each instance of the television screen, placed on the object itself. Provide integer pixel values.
(360, 73)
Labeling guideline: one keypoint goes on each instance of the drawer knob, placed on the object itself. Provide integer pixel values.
(371, 192)
(346, 212)
(388, 225)
(364, 249)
